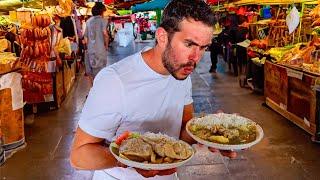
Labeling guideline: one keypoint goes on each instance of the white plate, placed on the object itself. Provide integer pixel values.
(227, 146)
(149, 166)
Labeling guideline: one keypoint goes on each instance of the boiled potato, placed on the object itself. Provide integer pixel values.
(220, 139)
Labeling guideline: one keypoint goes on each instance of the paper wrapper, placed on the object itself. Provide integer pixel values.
(13, 81)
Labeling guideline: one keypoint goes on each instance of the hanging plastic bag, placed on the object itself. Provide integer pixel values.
(266, 12)
(293, 19)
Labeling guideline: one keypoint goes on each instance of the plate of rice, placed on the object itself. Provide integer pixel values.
(225, 131)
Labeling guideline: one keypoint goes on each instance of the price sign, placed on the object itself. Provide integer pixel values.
(294, 73)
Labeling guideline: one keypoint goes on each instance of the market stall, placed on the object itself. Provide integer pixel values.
(154, 5)
(292, 78)
(291, 92)
(29, 78)
(283, 48)
(44, 80)
(11, 102)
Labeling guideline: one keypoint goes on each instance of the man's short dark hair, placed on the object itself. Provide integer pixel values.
(178, 10)
(98, 9)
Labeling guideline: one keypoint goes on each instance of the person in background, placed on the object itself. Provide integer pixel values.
(216, 46)
(234, 26)
(150, 90)
(241, 52)
(226, 39)
(153, 28)
(215, 49)
(11, 37)
(97, 41)
(56, 37)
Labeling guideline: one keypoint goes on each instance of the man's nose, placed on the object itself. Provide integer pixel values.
(195, 54)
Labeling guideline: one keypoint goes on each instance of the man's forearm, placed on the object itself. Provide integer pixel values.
(185, 137)
(92, 157)
(187, 115)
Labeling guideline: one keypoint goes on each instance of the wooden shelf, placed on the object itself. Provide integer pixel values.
(292, 117)
(292, 96)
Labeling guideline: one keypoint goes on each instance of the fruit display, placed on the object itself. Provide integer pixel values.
(41, 20)
(35, 42)
(315, 13)
(301, 55)
(259, 61)
(36, 86)
(7, 58)
(299, 50)
(261, 44)
(5, 25)
(278, 53)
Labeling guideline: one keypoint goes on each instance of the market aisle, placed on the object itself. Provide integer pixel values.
(286, 151)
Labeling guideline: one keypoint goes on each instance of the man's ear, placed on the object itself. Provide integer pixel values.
(162, 37)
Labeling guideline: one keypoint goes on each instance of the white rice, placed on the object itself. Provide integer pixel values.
(158, 136)
(221, 119)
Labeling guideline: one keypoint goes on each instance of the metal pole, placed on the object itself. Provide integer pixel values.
(300, 25)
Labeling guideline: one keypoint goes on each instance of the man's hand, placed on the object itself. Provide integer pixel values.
(227, 153)
(152, 173)
(119, 164)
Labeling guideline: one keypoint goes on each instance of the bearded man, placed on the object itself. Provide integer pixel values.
(150, 91)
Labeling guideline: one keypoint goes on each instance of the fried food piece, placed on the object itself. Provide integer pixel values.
(156, 160)
(168, 160)
(165, 146)
(174, 150)
(136, 149)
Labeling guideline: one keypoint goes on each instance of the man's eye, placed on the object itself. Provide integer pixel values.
(188, 44)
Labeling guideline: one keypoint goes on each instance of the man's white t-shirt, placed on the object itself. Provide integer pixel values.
(130, 96)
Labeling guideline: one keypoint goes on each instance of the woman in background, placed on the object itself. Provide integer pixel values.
(97, 41)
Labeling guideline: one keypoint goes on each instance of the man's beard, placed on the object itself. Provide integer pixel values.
(169, 62)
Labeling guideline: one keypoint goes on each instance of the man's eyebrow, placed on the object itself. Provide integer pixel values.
(195, 44)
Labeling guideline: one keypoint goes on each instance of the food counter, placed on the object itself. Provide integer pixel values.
(11, 111)
(292, 93)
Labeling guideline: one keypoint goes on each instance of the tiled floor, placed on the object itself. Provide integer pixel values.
(286, 151)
